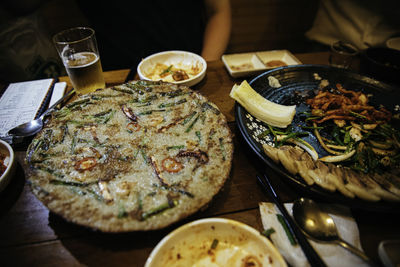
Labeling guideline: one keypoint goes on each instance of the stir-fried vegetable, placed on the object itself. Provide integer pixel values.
(348, 128)
(354, 131)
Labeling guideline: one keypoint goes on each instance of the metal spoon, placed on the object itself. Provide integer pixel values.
(34, 126)
(320, 226)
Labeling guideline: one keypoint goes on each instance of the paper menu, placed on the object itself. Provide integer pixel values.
(22, 101)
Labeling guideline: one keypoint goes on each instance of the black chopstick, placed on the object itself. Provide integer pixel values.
(312, 256)
(131, 75)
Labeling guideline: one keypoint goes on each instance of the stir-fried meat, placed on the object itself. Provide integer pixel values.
(343, 104)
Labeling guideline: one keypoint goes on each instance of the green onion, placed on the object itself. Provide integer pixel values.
(189, 128)
(313, 118)
(292, 135)
(122, 212)
(174, 189)
(126, 91)
(159, 209)
(273, 133)
(73, 144)
(221, 145)
(264, 134)
(198, 134)
(166, 70)
(148, 112)
(355, 114)
(207, 106)
(188, 118)
(62, 112)
(144, 155)
(347, 137)
(175, 147)
(167, 105)
(140, 202)
(172, 94)
(312, 127)
(68, 183)
(96, 195)
(291, 238)
(78, 103)
(214, 244)
(268, 232)
(47, 169)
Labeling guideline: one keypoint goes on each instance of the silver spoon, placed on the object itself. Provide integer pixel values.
(34, 126)
(320, 226)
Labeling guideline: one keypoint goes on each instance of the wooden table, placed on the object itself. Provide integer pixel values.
(31, 235)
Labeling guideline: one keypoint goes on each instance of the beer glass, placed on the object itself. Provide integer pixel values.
(342, 54)
(77, 48)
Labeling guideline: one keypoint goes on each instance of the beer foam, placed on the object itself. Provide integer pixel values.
(81, 59)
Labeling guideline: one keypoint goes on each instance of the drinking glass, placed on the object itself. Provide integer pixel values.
(342, 54)
(78, 50)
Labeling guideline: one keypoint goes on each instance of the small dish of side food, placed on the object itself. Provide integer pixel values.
(7, 164)
(178, 67)
(253, 63)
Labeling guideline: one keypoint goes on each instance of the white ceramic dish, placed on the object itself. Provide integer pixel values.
(393, 43)
(9, 161)
(388, 251)
(215, 242)
(246, 64)
(179, 59)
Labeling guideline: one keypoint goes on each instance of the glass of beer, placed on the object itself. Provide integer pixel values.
(77, 48)
(342, 54)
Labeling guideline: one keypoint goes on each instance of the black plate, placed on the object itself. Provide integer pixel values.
(302, 78)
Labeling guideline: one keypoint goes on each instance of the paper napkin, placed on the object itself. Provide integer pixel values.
(332, 254)
(58, 92)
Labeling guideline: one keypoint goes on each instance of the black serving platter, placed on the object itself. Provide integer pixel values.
(301, 79)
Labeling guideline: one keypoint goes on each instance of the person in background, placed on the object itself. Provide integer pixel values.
(217, 31)
(362, 23)
(26, 49)
(128, 31)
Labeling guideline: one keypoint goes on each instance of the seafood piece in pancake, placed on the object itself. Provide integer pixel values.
(322, 177)
(358, 186)
(338, 180)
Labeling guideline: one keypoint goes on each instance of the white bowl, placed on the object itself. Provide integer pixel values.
(7, 151)
(179, 59)
(215, 242)
(393, 43)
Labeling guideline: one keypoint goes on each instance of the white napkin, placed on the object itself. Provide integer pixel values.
(332, 254)
(58, 92)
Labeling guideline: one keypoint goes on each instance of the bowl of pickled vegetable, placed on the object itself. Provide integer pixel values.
(179, 67)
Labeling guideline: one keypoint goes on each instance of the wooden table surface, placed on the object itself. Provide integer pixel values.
(30, 235)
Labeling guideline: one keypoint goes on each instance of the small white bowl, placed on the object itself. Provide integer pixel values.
(393, 43)
(179, 59)
(7, 151)
(215, 242)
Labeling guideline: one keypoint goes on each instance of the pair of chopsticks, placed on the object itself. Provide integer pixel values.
(312, 256)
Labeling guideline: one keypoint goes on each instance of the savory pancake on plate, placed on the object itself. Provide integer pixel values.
(137, 156)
